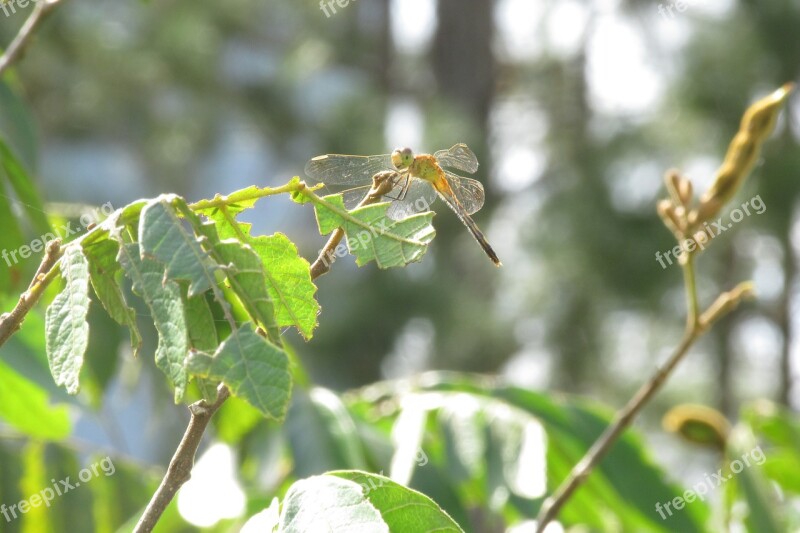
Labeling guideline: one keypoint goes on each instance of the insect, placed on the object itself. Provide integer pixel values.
(420, 179)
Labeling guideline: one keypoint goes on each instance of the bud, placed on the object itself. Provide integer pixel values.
(698, 424)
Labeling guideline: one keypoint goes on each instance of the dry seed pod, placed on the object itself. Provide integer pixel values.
(757, 124)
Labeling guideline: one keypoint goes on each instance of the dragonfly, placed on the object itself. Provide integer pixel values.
(419, 179)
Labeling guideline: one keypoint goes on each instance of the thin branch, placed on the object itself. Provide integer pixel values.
(180, 467)
(17, 46)
(11, 322)
(695, 327)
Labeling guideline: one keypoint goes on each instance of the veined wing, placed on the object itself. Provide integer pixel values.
(338, 169)
(468, 192)
(353, 196)
(418, 199)
(459, 157)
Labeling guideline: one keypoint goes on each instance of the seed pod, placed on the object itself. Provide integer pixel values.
(756, 126)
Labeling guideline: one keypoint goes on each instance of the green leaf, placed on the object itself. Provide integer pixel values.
(163, 297)
(372, 236)
(25, 189)
(24, 405)
(67, 331)
(252, 368)
(287, 274)
(105, 273)
(10, 240)
(245, 274)
(167, 238)
(202, 338)
(359, 501)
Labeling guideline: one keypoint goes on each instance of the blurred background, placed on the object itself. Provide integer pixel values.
(575, 110)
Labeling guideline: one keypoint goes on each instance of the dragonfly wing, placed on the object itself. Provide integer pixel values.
(337, 169)
(353, 196)
(459, 157)
(418, 199)
(468, 192)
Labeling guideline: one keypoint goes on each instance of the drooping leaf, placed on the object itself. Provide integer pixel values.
(373, 236)
(166, 237)
(251, 367)
(67, 331)
(105, 273)
(25, 406)
(163, 297)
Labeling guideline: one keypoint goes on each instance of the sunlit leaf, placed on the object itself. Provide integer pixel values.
(252, 368)
(67, 331)
(25, 406)
(163, 297)
(373, 236)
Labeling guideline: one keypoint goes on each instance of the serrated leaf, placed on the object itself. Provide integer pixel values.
(24, 405)
(373, 236)
(25, 189)
(165, 236)
(252, 368)
(245, 274)
(287, 274)
(105, 273)
(163, 297)
(358, 501)
(67, 331)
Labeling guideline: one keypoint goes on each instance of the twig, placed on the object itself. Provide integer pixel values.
(11, 322)
(180, 467)
(382, 184)
(695, 327)
(42, 8)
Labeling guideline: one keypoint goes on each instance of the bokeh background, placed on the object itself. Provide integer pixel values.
(575, 110)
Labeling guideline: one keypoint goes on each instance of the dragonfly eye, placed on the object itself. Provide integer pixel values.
(402, 158)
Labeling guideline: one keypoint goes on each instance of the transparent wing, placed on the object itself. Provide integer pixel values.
(418, 199)
(337, 169)
(459, 157)
(468, 191)
(353, 196)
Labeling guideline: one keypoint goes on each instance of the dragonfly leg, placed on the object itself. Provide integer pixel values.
(404, 189)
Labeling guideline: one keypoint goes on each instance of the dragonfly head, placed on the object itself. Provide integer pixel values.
(402, 158)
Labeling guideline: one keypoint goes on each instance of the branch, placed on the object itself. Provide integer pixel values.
(11, 322)
(180, 467)
(695, 328)
(12, 53)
